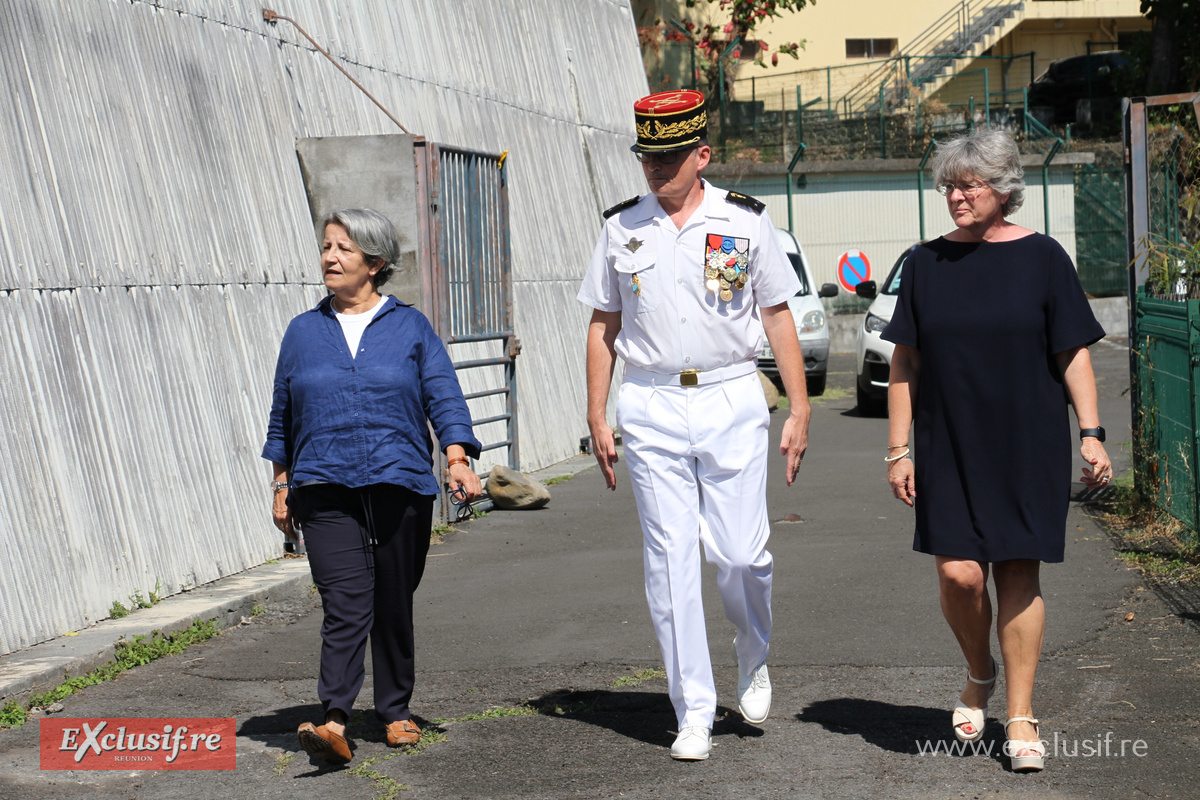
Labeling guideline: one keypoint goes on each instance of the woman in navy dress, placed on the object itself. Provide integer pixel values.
(991, 331)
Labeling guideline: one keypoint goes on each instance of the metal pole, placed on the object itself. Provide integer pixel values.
(1025, 109)
(782, 124)
(271, 17)
(787, 176)
(1046, 182)
(882, 124)
(987, 99)
(971, 114)
(921, 183)
(829, 91)
(1133, 118)
(799, 121)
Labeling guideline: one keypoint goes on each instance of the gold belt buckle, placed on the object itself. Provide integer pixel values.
(689, 377)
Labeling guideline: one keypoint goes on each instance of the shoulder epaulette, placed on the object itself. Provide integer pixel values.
(746, 200)
(633, 201)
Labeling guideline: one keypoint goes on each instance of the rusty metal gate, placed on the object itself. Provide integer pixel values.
(467, 286)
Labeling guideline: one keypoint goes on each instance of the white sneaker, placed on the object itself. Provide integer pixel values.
(754, 694)
(692, 744)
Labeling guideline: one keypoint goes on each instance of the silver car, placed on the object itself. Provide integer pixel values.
(809, 315)
(873, 354)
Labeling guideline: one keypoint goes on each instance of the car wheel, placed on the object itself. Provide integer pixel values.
(815, 384)
(869, 405)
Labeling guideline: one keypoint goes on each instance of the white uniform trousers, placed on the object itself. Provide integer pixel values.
(697, 459)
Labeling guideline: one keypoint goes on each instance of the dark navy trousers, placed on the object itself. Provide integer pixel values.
(366, 548)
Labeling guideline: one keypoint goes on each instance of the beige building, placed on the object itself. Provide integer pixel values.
(848, 44)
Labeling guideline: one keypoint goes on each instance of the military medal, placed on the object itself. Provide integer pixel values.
(726, 264)
(635, 284)
(633, 244)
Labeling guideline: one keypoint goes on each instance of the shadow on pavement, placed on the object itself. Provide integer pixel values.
(910, 730)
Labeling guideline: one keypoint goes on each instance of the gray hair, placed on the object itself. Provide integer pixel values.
(987, 155)
(373, 233)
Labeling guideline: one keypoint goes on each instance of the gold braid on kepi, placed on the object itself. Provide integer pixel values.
(667, 121)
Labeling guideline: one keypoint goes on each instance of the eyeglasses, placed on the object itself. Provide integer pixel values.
(464, 510)
(665, 159)
(968, 189)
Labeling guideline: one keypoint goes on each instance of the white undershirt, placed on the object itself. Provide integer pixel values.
(353, 325)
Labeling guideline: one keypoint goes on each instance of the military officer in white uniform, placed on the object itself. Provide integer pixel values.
(683, 283)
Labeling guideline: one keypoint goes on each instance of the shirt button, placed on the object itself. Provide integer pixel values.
(680, 280)
(683, 319)
(687, 360)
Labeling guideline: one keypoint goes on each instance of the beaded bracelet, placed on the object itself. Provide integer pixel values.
(890, 459)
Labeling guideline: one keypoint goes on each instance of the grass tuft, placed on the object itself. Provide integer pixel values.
(129, 654)
(641, 676)
(389, 787)
(1146, 537)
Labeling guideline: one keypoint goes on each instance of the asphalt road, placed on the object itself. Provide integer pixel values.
(546, 610)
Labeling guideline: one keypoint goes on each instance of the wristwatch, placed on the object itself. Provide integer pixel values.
(276, 486)
(1096, 432)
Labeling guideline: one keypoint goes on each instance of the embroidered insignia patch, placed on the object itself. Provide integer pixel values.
(726, 264)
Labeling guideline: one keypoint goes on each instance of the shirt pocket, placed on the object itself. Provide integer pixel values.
(640, 281)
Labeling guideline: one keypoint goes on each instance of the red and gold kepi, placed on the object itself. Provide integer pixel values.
(669, 121)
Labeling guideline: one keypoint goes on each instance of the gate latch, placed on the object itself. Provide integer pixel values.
(514, 347)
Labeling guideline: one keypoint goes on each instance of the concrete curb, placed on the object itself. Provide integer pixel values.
(227, 600)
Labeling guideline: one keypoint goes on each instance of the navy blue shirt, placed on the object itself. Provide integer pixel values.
(359, 421)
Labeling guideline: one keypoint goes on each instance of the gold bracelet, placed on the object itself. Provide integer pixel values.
(459, 460)
(897, 446)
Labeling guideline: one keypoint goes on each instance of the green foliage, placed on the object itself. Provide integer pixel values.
(12, 715)
(140, 650)
(281, 764)
(118, 610)
(1174, 64)
(429, 736)
(1171, 265)
(258, 610)
(495, 713)
(389, 787)
(558, 479)
(1148, 538)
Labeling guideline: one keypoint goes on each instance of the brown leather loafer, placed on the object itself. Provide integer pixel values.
(402, 731)
(320, 742)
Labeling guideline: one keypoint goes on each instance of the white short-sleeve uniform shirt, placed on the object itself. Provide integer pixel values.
(653, 274)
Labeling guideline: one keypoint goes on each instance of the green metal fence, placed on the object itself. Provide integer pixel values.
(1168, 381)
(1100, 230)
(1164, 181)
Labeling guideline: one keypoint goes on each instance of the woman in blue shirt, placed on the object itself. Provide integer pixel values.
(360, 377)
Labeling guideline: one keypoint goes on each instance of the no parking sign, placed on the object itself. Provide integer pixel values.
(853, 268)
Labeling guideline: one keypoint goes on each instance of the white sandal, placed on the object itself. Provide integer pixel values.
(1013, 746)
(975, 717)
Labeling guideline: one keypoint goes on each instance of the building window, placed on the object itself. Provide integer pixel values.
(870, 48)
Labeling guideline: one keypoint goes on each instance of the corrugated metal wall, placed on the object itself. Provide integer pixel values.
(155, 239)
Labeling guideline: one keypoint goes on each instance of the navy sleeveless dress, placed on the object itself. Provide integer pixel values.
(992, 436)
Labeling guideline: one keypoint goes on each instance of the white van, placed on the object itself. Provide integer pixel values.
(809, 315)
